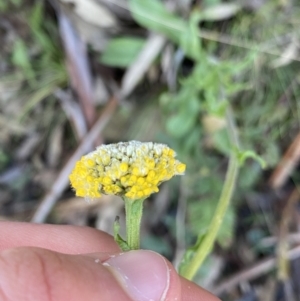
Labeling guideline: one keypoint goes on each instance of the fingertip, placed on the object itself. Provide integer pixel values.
(145, 275)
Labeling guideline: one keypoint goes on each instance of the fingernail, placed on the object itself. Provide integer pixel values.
(144, 275)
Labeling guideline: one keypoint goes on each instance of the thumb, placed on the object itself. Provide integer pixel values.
(145, 276)
(39, 274)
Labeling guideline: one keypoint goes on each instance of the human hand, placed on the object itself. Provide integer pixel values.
(69, 263)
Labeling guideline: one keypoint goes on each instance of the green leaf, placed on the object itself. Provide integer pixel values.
(220, 11)
(153, 15)
(179, 125)
(201, 213)
(185, 114)
(189, 253)
(272, 154)
(190, 41)
(249, 175)
(192, 140)
(121, 52)
(37, 14)
(20, 58)
(233, 88)
(122, 243)
(3, 6)
(118, 239)
(38, 27)
(211, 2)
(222, 142)
(182, 123)
(17, 2)
(244, 155)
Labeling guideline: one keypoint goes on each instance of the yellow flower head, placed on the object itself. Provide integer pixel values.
(131, 169)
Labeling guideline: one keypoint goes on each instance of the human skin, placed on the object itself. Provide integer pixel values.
(59, 263)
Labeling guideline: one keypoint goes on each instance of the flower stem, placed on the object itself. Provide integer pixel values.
(134, 211)
(190, 270)
(205, 247)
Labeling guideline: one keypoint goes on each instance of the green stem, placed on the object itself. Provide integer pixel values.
(190, 270)
(134, 211)
(205, 247)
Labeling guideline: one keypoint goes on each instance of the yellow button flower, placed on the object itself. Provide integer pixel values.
(131, 169)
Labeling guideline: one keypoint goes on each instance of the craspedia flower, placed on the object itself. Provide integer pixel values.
(131, 169)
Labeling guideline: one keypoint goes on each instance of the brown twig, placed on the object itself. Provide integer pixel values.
(253, 272)
(73, 113)
(282, 249)
(283, 272)
(78, 66)
(286, 165)
(292, 238)
(62, 180)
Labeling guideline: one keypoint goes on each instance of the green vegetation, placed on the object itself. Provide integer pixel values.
(225, 85)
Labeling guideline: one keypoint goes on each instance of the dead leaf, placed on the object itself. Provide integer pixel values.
(93, 12)
(120, 8)
(213, 123)
(101, 94)
(75, 211)
(88, 32)
(220, 12)
(28, 146)
(73, 112)
(288, 55)
(136, 71)
(78, 67)
(55, 146)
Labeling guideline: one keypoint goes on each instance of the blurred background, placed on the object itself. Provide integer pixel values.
(78, 73)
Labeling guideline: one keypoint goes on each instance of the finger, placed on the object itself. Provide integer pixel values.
(146, 275)
(145, 269)
(60, 238)
(75, 240)
(38, 274)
